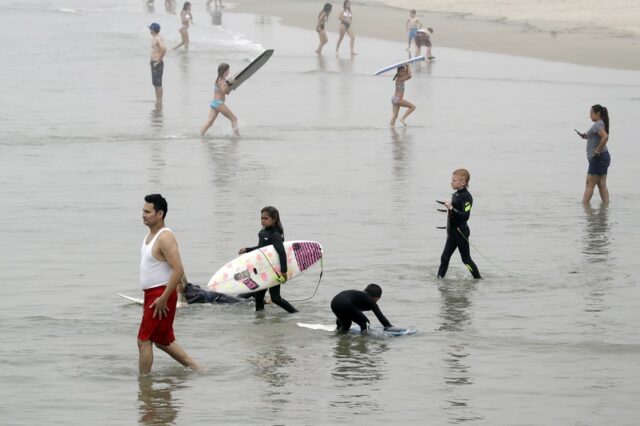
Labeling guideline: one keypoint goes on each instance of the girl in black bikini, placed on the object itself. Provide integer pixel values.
(323, 17)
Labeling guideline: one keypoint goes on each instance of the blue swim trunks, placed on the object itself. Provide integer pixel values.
(216, 103)
(412, 33)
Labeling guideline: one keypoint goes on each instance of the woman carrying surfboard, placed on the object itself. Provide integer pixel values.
(403, 74)
(323, 17)
(221, 89)
(272, 233)
(345, 26)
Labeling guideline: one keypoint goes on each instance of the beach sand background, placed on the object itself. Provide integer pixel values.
(605, 34)
(548, 337)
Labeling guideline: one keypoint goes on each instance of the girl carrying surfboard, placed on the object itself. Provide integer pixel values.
(403, 74)
(272, 233)
(221, 89)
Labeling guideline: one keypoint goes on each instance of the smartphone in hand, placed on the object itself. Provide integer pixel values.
(582, 135)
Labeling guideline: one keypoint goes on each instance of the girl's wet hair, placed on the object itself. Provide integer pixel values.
(604, 114)
(326, 8)
(345, 6)
(186, 5)
(222, 68)
(400, 68)
(275, 215)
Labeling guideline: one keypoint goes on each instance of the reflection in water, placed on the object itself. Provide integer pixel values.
(158, 163)
(596, 250)
(224, 162)
(272, 367)
(455, 316)
(156, 403)
(596, 235)
(401, 143)
(156, 116)
(170, 6)
(359, 365)
(322, 63)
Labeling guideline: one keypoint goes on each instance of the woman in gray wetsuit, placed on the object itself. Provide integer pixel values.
(597, 154)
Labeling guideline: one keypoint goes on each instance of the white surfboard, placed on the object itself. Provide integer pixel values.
(394, 66)
(137, 300)
(258, 269)
(355, 329)
(250, 69)
(140, 301)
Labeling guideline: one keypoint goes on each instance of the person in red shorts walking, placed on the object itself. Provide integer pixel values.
(160, 273)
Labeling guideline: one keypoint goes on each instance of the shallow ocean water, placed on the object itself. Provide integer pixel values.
(549, 335)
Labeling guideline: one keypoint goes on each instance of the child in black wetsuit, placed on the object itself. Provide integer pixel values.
(272, 234)
(349, 304)
(459, 210)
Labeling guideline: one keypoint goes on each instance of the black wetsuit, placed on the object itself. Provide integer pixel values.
(458, 233)
(348, 306)
(266, 237)
(195, 294)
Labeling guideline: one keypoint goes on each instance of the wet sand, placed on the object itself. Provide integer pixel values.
(463, 32)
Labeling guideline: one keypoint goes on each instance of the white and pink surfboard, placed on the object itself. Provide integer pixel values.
(259, 269)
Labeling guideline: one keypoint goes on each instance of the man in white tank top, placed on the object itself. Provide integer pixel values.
(160, 273)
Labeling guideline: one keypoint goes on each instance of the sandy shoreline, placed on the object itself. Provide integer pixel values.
(457, 31)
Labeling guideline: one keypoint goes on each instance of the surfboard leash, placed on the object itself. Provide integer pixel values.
(317, 285)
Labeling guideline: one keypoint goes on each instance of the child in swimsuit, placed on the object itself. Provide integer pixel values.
(403, 74)
(413, 24)
(221, 89)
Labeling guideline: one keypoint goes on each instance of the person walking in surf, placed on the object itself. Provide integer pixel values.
(221, 89)
(458, 212)
(403, 74)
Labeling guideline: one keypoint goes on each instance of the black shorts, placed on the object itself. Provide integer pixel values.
(422, 39)
(157, 67)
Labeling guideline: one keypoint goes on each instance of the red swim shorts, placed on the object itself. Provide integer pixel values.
(157, 330)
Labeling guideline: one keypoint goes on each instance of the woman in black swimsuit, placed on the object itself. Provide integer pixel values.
(323, 17)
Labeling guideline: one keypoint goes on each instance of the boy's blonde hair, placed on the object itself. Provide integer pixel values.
(463, 173)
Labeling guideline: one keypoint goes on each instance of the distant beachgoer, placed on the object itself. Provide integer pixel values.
(323, 17)
(221, 89)
(423, 38)
(272, 233)
(413, 25)
(597, 154)
(402, 74)
(345, 26)
(218, 3)
(186, 17)
(160, 273)
(158, 50)
(349, 304)
(170, 6)
(459, 210)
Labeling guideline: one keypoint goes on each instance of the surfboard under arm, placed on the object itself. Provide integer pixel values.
(250, 69)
